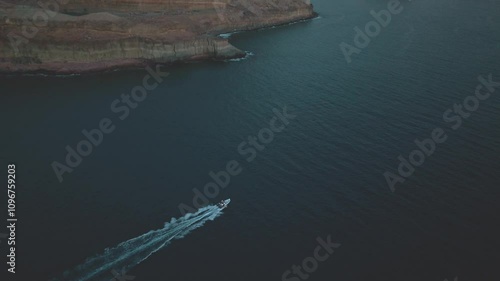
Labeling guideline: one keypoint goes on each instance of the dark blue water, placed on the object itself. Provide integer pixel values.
(323, 175)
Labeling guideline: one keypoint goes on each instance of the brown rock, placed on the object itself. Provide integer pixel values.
(95, 35)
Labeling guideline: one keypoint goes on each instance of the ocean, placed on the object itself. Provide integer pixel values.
(318, 175)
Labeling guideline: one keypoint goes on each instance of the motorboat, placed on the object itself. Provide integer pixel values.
(223, 204)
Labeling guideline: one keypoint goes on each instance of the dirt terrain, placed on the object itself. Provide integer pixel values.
(75, 36)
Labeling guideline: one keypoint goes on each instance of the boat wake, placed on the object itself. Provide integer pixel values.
(132, 252)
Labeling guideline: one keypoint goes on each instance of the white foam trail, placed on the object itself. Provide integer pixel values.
(247, 55)
(132, 252)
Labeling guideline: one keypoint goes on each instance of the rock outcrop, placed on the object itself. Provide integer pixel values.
(76, 36)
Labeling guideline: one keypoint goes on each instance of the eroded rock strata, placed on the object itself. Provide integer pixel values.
(77, 36)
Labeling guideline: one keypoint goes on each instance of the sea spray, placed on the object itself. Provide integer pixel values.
(132, 252)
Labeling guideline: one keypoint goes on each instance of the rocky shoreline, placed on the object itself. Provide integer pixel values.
(75, 41)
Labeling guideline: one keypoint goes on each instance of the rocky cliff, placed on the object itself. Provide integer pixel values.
(76, 36)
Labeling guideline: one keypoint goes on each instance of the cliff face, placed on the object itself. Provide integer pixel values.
(74, 36)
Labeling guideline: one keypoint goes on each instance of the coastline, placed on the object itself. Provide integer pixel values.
(108, 55)
(79, 68)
